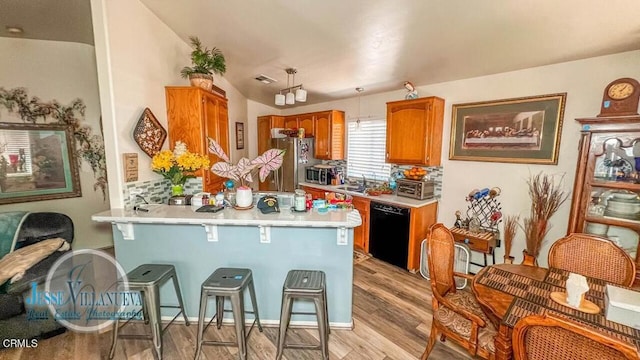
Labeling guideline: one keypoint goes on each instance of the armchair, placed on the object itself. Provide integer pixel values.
(14, 322)
(593, 256)
(456, 313)
(553, 338)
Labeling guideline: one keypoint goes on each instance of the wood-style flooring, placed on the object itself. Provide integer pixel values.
(391, 312)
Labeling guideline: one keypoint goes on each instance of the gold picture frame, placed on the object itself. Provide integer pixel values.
(37, 162)
(519, 130)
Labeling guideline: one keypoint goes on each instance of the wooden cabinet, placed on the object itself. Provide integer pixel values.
(306, 121)
(607, 182)
(414, 131)
(419, 222)
(326, 127)
(193, 115)
(329, 135)
(265, 124)
(421, 219)
(361, 233)
(315, 193)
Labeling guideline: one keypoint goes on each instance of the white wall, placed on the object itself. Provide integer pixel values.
(62, 71)
(583, 81)
(138, 55)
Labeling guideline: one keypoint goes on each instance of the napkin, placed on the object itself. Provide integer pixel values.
(576, 287)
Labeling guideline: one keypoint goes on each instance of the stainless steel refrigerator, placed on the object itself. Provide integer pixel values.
(299, 155)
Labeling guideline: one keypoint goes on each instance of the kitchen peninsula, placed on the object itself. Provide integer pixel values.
(268, 244)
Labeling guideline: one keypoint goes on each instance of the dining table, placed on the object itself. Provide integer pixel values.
(510, 292)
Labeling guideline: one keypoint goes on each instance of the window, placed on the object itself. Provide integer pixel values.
(16, 151)
(366, 149)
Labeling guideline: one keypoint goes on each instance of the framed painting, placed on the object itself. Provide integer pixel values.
(37, 162)
(520, 130)
(239, 135)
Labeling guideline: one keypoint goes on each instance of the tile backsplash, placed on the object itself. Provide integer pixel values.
(433, 172)
(156, 191)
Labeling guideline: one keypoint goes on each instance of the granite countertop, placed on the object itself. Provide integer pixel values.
(386, 199)
(180, 214)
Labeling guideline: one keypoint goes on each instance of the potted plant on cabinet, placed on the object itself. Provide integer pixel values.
(206, 62)
(241, 172)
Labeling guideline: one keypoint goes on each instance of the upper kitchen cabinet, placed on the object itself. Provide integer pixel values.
(414, 131)
(194, 114)
(305, 121)
(329, 135)
(265, 124)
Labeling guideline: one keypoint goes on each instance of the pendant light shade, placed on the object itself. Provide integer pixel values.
(301, 95)
(290, 99)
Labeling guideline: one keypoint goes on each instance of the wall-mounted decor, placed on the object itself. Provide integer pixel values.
(37, 162)
(239, 135)
(130, 164)
(519, 130)
(89, 146)
(149, 133)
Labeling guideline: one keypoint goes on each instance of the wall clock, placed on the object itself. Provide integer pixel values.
(620, 98)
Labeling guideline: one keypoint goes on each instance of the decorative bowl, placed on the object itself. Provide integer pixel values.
(414, 177)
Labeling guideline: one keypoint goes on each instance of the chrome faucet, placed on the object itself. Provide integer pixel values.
(364, 181)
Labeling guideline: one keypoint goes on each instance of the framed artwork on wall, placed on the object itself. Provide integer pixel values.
(239, 135)
(37, 162)
(519, 130)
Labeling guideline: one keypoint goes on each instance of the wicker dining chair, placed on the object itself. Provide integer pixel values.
(456, 313)
(593, 256)
(540, 337)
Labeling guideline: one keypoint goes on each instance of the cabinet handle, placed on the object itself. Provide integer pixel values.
(387, 155)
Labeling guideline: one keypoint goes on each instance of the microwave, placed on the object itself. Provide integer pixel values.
(317, 175)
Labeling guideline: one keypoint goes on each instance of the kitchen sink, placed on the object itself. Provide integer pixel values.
(354, 188)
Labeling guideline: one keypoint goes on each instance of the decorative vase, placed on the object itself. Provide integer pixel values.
(204, 81)
(177, 190)
(528, 259)
(244, 197)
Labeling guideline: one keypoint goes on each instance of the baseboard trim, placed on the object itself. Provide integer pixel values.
(274, 323)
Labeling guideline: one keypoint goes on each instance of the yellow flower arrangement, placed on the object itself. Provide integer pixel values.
(178, 165)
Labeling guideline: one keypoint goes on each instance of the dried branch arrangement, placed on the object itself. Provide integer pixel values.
(546, 197)
(510, 228)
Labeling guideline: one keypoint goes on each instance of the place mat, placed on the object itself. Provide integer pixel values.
(521, 308)
(597, 287)
(517, 285)
(533, 297)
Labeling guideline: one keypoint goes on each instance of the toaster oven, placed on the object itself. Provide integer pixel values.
(415, 189)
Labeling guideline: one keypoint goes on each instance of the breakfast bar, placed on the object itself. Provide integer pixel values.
(269, 244)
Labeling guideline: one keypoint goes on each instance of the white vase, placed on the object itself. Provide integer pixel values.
(244, 197)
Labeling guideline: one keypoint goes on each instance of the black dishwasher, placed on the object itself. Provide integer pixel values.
(389, 233)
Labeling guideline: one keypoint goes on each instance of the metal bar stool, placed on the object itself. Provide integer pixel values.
(231, 283)
(305, 284)
(147, 279)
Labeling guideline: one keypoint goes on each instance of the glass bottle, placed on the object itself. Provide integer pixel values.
(474, 224)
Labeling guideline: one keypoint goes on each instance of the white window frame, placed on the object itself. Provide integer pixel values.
(366, 150)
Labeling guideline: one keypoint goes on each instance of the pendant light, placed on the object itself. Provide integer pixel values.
(359, 90)
(290, 97)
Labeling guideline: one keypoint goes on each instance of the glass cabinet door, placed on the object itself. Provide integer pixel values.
(613, 210)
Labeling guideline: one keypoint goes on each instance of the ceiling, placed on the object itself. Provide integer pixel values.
(59, 20)
(339, 45)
